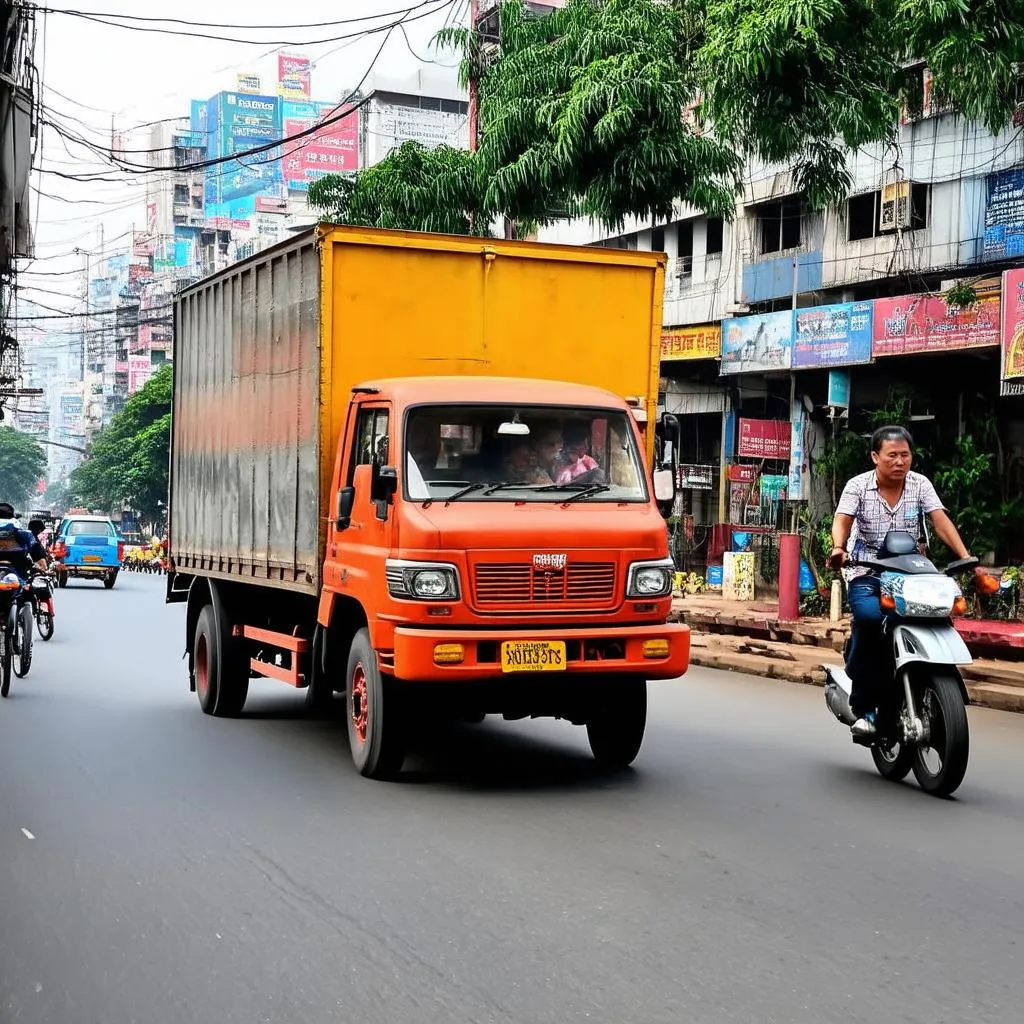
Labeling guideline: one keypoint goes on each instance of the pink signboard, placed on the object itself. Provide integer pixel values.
(1012, 332)
(911, 324)
(139, 371)
(764, 439)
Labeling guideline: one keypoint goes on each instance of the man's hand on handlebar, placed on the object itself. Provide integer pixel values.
(838, 558)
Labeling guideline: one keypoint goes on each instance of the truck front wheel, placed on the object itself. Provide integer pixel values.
(374, 712)
(616, 721)
(220, 681)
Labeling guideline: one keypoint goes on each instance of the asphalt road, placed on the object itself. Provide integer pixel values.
(161, 867)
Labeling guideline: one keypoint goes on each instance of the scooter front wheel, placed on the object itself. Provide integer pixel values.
(893, 762)
(941, 763)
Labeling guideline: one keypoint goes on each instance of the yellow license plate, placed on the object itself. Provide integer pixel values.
(533, 656)
(92, 558)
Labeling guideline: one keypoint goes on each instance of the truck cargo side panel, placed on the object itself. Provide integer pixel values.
(245, 458)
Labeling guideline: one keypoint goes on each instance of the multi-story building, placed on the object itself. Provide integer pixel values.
(783, 322)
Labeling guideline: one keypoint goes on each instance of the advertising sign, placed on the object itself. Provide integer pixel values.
(911, 324)
(1004, 214)
(757, 344)
(701, 342)
(389, 125)
(198, 117)
(249, 83)
(764, 439)
(797, 451)
(142, 245)
(742, 473)
(139, 371)
(696, 478)
(838, 389)
(239, 123)
(151, 218)
(836, 335)
(333, 148)
(1012, 333)
(293, 77)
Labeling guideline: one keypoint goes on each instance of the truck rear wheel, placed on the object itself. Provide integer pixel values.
(374, 713)
(220, 682)
(616, 721)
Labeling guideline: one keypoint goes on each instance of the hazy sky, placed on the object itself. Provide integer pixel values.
(95, 73)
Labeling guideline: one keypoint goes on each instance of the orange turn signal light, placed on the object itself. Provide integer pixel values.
(960, 605)
(888, 602)
(987, 583)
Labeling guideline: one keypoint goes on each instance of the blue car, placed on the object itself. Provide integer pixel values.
(87, 547)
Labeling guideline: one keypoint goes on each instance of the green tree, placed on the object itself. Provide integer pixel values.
(414, 188)
(128, 461)
(619, 108)
(22, 466)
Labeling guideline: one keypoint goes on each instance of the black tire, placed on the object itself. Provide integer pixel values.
(221, 684)
(44, 623)
(617, 720)
(894, 762)
(109, 580)
(320, 691)
(23, 659)
(62, 580)
(941, 699)
(374, 712)
(6, 657)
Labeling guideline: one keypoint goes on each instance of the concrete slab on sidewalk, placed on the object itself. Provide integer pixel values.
(991, 684)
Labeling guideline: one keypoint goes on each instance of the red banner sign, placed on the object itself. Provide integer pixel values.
(911, 324)
(764, 439)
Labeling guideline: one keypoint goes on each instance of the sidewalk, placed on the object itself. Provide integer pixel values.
(746, 636)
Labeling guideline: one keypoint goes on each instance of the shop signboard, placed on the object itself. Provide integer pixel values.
(757, 344)
(1012, 333)
(742, 473)
(835, 335)
(797, 450)
(1004, 214)
(703, 341)
(139, 371)
(696, 478)
(248, 83)
(764, 439)
(912, 324)
(294, 76)
(838, 389)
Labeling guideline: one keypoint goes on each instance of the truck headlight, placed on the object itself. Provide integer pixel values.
(650, 579)
(422, 581)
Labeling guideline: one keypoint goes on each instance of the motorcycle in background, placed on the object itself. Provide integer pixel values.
(922, 721)
(15, 630)
(41, 595)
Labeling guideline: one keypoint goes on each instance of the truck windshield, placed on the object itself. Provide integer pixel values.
(507, 453)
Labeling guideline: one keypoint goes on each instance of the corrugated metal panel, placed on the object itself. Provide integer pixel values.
(245, 487)
(683, 398)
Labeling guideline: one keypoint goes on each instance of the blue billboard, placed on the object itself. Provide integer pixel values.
(836, 335)
(245, 122)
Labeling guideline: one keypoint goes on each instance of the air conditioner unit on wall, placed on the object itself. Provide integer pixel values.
(894, 212)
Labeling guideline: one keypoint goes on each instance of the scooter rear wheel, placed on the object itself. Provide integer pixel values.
(940, 765)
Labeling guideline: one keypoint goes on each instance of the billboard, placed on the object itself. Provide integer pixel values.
(836, 335)
(389, 125)
(757, 344)
(1004, 214)
(246, 122)
(139, 371)
(293, 77)
(702, 342)
(332, 149)
(248, 83)
(1012, 333)
(912, 324)
(764, 439)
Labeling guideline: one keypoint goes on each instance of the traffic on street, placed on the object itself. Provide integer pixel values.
(161, 865)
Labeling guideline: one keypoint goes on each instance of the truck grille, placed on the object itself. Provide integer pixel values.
(581, 585)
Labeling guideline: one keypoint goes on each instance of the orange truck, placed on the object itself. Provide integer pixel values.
(418, 471)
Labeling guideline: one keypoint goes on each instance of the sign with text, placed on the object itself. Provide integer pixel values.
(1004, 214)
(757, 344)
(294, 75)
(836, 335)
(696, 478)
(911, 324)
(1012, 333)
(764, 439)
(700, 342)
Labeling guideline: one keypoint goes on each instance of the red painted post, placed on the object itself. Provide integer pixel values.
(789, 577)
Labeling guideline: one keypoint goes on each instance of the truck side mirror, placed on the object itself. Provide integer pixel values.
(343, 509)
(665, 490)
(383, 483)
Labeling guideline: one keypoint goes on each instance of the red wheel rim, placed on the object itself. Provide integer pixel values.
(359, 710)
(202, 667)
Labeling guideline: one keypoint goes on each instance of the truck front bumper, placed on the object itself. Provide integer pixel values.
(590, 651)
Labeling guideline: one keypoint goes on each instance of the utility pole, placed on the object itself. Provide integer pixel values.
(474, 97)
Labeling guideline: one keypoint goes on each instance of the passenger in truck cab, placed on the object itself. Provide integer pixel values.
(521, 465)
(548, 448)
(577, 465)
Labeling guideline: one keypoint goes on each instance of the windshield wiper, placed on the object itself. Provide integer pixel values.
(461, 492)
(591, 490)
(565, 487)
(508, 485)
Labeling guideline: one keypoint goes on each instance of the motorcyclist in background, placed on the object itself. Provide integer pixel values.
(888, 497)
(37, 528)
(20, 550)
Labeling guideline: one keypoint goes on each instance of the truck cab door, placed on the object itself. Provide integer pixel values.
(362, 529)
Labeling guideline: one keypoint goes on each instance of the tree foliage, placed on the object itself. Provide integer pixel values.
(413, 188)
(129, 459)
(619, 108)
(22, 466)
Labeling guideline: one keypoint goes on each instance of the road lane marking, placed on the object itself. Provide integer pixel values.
(28, 835)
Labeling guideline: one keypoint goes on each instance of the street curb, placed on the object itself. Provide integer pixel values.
(997, 696)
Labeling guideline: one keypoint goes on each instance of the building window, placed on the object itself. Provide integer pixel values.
(181, 195)
(685, 248)
(716, 234)
(779, 224)
(864, 213)
(657, 240)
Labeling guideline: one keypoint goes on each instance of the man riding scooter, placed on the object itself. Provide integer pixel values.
(887, 498)
(20, 549)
